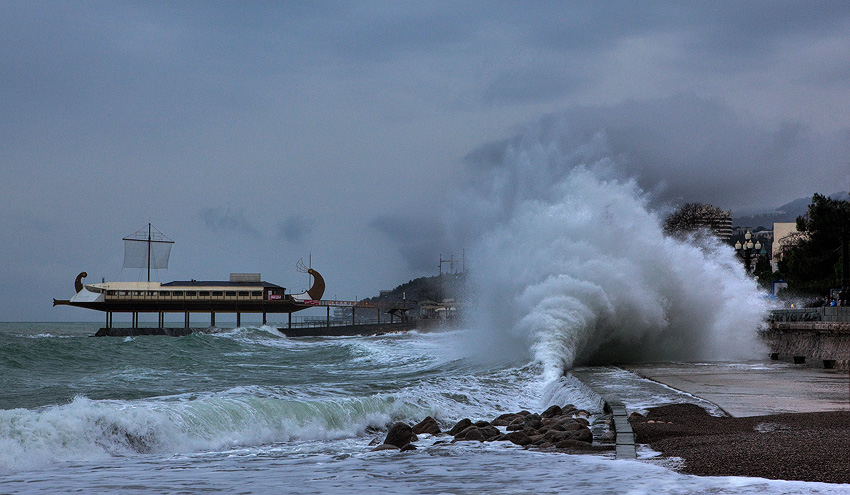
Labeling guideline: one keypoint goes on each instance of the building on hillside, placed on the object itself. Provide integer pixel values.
(721, 224)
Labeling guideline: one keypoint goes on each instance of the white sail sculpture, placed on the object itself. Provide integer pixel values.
(147, 248)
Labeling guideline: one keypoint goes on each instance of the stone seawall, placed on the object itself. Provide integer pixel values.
(348, 330)
(814, 342)
(169, 332)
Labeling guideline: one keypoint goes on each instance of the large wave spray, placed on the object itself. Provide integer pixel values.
(578, 270)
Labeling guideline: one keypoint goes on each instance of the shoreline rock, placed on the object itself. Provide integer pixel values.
(560, 428)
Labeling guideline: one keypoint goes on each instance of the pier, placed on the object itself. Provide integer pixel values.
(814, 336)
(296, 331)
(388, 318)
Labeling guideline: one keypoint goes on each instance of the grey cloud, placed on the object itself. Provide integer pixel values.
(536, 84)
(294, 229)
(687, 148)
(419, 238)
(678, 149)
(228, 221)
(262, 103)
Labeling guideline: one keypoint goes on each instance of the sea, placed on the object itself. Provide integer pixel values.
(250, 411)
(568, 266)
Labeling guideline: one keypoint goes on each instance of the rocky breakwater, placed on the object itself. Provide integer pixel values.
(557, 428)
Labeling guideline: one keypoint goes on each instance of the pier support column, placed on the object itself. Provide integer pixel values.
(290, 321)
(264, 317)
(186, 323)
(328, 321)
(108, 314)
(212, 318)
(238, 319)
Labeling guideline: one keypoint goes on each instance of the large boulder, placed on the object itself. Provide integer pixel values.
(505, 419)
(385, 446)
(482, 434)
(428, 425)
(471, 434)
(552, 411)
(569, 425)
(460, 426)
(555, 436)
(518, 438)
(573, 445)
(533, 421)
(400, 434)
(584, 435)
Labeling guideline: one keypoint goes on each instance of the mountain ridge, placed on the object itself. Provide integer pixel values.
(785, 213)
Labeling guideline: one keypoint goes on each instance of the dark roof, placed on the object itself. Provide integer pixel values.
(219, 283)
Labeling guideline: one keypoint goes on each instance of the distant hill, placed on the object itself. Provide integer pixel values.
(785, 213)
(434, 288)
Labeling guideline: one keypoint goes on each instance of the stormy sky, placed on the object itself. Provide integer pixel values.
(255, 134)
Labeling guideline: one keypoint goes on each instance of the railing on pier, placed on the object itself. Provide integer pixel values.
(315, 322)
(829, 314)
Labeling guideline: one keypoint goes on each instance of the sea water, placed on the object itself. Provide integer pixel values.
(251, 411)
(569, 267)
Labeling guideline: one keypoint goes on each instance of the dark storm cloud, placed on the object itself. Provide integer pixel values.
(417, 238)
(531, 85)
(279, 107)
(686, 148)
(678, 149)
(294, 229)
(228, 221)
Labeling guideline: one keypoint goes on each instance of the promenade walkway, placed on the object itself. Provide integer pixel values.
(755, 388)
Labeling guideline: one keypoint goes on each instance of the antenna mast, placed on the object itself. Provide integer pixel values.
(137, 255)
(149, 252)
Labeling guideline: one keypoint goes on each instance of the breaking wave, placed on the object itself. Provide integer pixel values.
(89, 430)
(578, 271)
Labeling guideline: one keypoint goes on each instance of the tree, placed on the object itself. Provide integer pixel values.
(764, 272)
(697, 218)
(814, 266)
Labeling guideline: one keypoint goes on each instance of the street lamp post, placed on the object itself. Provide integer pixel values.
(745, 250)
(844, 294)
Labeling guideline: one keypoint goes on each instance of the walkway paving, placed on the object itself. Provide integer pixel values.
(755, 388)
(737, 389)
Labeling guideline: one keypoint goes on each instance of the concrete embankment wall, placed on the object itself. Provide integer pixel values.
(817, 343)
(169, 332)
(343, 330)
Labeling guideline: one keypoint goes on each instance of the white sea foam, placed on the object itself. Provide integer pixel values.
(87, 430)
(576, 269)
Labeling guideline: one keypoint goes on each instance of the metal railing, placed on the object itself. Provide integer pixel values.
(833, 314)
(318, 322)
